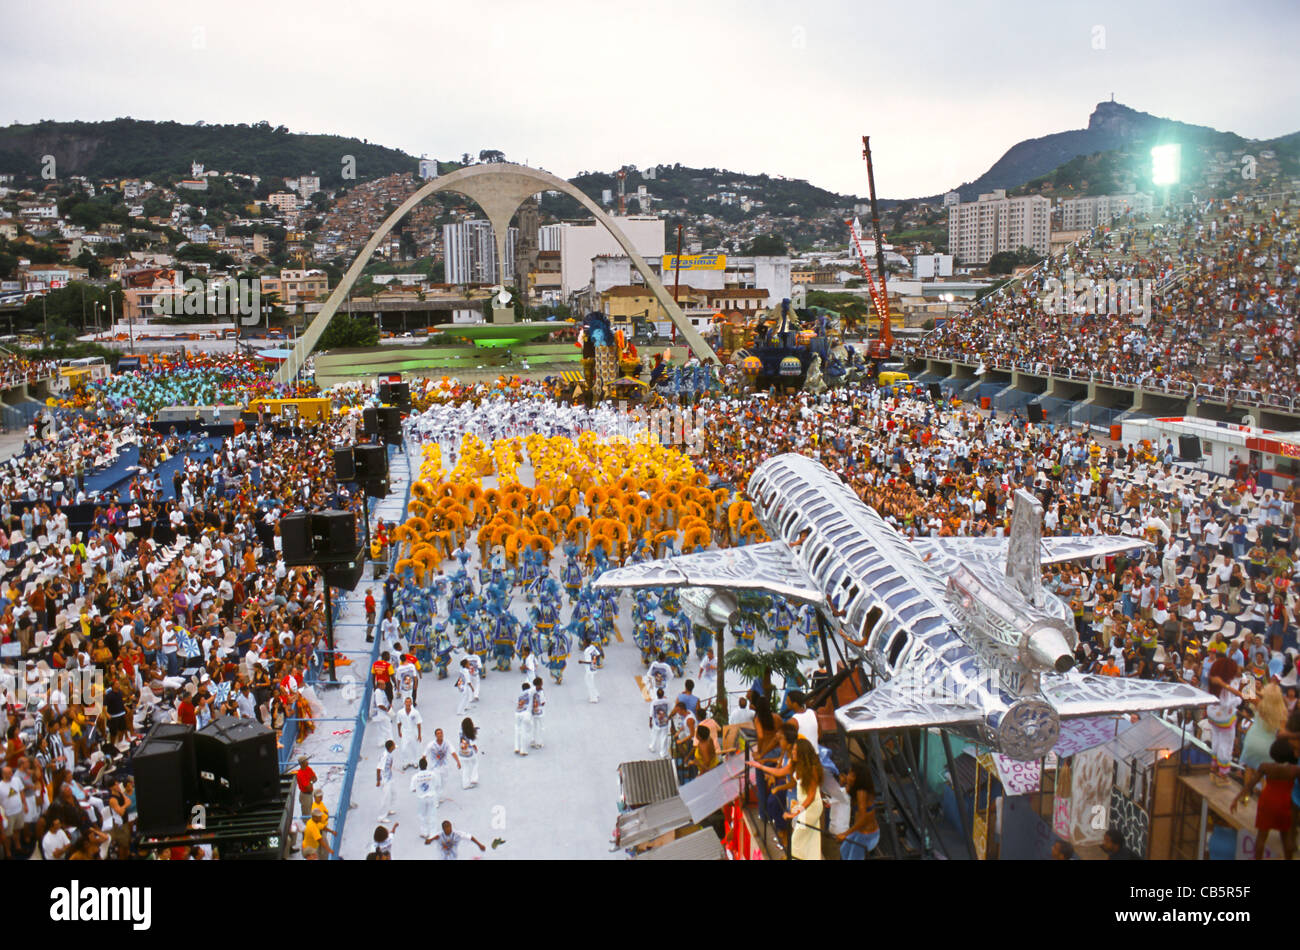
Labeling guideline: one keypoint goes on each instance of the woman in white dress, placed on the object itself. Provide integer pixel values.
(806, 813)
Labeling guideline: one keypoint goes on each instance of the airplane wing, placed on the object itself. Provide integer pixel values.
(946, 554)
(770, 566)
(898, 704)
(1086, 694)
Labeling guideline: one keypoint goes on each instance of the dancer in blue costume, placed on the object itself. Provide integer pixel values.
(782, 620)
(808, 628)
(557, 657)
(442, 648)
(572, 572)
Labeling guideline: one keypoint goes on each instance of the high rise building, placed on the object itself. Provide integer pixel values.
(979, 229)
(428, 168)
(470, 255)
(1078, 214)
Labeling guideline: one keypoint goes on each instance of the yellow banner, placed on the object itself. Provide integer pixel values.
(695, 262)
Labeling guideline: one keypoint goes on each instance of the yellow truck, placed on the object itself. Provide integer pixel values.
(889, 379)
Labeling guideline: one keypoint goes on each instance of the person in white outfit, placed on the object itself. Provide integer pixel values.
(384, 780)
(592, 657)
(427, 783)
(528, 664)
(523, 719)
(383, 717)
(539, 711)
(660, 710)
(475, 673)
(410, 728)
(440, 754)
(469, 754)
(464, 683)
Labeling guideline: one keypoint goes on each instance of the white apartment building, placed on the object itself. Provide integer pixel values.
(1081, 214)
(580, 244)
(470, 253)
(979, 229)
(283, 201)
(308, 185)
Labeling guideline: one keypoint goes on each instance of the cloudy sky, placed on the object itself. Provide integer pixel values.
(943, 88)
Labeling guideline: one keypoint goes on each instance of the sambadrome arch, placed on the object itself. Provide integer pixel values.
(499, 189)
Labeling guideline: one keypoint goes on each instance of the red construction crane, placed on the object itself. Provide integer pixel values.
(882, 346)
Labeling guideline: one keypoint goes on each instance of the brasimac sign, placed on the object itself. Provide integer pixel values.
(695, 262)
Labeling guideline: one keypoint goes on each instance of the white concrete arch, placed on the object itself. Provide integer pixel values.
(499, 189)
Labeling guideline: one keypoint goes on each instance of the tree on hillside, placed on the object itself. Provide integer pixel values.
(770, 245)
(1004, 262)
(345, 331)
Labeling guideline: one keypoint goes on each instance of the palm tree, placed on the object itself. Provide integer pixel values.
(760, 664)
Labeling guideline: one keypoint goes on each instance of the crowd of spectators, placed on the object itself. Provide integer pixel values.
(1226, 279)
(1218, 577)
(16, 369)
(172, 603)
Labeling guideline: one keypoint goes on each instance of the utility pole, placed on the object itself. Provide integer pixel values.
(677, 279)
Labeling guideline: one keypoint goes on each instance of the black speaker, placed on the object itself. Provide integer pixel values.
(1035, 412)
(345, 469)
(159, 769)
(1189, 448)
(180, 732)
(345, 576)
(371, 462)
(237, 762)
(936, 391)
(370, 422)
(395, 394)
(334, 533)
(377, 487)
(390, 424)
(295, 539)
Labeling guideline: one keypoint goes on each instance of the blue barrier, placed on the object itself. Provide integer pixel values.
(363, 712)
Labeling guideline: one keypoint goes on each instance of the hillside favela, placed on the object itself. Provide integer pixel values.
(879, 459)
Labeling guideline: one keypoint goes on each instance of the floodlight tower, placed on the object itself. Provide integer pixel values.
(1165, 162)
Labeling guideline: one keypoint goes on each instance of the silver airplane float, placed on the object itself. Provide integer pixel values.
(960, 632)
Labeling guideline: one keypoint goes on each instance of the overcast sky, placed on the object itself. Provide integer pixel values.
(943, 88)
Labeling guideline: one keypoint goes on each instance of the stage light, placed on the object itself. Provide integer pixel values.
(1165, 160)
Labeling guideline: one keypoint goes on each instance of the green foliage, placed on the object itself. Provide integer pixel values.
(1004, 262)
(130, 148)
(345, 331)
(757, 664)
(770, 245)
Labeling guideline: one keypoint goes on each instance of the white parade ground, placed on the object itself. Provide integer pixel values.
(560, 801)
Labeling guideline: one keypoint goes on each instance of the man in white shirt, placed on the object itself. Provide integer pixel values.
(427, 786)
(384, 781)
(591, 658)
(11, 803)
(805, 717)
(523, 718)
(659, 672)
(538, 712)
(56, 842)
(410, 729)
(660, 713)
(383, 717)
